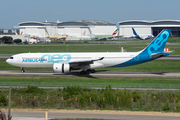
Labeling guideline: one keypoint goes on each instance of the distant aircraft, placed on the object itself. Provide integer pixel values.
(143, 36)
(55, 37)
(115, 31)
(66, 62)
(19, 34)
(105, 37)
(34, 36)
(31, 36)
(79, 36)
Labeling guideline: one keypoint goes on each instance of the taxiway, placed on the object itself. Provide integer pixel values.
(97, 74)
(105, 114)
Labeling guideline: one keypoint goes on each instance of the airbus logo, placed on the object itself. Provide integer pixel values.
(56, 58)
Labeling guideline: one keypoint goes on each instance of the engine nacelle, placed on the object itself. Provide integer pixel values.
(61, 67)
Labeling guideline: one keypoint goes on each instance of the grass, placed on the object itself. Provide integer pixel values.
(87, 79)
(15, 49)
(174, 39)
(173, 83)
(131, 46)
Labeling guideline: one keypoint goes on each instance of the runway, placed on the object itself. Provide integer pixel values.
(97, 74)
(35, 114)
(170, 57)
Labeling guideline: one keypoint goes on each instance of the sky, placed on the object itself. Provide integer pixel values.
(14, 12)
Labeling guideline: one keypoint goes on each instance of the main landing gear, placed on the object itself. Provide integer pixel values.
(22, 69)
(88, 71)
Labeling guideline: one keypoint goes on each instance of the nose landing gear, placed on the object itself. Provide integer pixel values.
(22, 69)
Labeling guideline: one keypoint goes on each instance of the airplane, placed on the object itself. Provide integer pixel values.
(55, 37)
(88, 61)
(143, 36)
(34, 36)
(105, 37)
(17, 33)
(115, 31)
(31, 36)
(78, 36)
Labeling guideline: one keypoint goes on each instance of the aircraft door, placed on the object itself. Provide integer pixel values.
(18, 59)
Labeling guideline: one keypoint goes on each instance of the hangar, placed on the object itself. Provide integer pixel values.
(149, 27)
(74, 30)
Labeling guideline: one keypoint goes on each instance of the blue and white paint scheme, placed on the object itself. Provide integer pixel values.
(65, 62)
(142, 36)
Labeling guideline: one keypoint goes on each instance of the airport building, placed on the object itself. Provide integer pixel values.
(149, 27)
(73, 30)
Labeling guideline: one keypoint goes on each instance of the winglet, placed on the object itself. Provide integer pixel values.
(101, 58)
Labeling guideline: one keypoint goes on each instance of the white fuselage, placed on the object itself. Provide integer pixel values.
(48, 59)
(146, 36)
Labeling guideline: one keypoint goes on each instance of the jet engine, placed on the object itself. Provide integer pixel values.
(61, 67)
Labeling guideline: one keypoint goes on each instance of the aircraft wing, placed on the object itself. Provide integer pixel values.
(86, 61)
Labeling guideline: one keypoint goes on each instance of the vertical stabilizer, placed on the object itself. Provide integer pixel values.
(115, 31)
(47, 35)
(158, 44)
(134, 32)
(21, 33)
(153, 51)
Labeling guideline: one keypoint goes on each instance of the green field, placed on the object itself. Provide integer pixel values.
(171, 83)
(84, 83)
(153, 66)
(110, 47)
(15, 49)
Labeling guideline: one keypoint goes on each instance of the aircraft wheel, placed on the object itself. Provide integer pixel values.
(22, 70)
(92, 71)
(83, 72)
(88, 71)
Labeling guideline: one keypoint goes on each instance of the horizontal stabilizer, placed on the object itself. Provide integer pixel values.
(157, 55)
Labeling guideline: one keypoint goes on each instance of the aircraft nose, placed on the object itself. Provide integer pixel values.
(8, 61)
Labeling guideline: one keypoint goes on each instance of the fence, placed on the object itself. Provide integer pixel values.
(48, 102)
(92, 84)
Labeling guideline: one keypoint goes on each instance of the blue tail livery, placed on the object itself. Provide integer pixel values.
(153, 51)
(142, 36)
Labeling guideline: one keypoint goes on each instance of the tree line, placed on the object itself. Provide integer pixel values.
(9, 40)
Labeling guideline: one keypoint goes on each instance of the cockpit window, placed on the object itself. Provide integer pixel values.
(11, 58)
